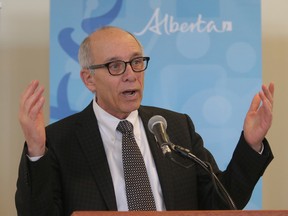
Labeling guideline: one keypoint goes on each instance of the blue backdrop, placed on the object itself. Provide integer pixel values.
(205, 60)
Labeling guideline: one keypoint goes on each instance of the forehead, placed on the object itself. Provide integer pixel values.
(112, 44)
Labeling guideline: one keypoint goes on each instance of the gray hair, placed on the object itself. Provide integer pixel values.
(84, 54)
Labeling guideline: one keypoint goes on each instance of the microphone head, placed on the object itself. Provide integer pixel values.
(155, 120)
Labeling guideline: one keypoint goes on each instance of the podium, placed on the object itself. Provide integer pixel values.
(185, 213)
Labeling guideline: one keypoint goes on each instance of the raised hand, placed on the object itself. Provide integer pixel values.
(259, 117)
(31, 118)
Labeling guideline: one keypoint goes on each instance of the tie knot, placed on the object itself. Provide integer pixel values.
(125, 127)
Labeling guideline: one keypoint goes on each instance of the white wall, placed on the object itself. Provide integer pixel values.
(275, 68)
(24, 55)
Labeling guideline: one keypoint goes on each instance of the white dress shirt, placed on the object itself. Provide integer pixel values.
(112, 140)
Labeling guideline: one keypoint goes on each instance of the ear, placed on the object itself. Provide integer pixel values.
(88, 79)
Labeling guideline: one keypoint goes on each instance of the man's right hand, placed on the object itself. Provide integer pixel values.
(31, 118)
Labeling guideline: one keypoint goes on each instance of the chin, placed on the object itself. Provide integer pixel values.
(133, 107)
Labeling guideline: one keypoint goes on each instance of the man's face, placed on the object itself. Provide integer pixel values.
(117, 95)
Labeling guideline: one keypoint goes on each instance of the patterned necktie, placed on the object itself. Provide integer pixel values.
(138, 189)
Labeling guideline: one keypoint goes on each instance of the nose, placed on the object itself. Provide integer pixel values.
(129, 74)
(128, 65)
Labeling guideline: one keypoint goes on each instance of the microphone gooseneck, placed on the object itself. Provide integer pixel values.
(157, 126)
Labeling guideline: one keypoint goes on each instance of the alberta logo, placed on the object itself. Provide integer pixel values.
(168, 25)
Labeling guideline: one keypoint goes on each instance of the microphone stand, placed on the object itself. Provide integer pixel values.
(220, 189)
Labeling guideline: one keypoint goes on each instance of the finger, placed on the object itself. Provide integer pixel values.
(269, 92)
(267, 95)
(29, 90)
(271, 89)
(266, 103)
(37, 108)
(255, 103)
(34, 97)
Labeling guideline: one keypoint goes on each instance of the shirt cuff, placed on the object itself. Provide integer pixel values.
(262, 149)
(36, 158)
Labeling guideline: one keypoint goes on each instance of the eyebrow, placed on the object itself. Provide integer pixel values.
(115, 58)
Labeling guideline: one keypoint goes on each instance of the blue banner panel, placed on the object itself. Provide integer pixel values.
(205, 60)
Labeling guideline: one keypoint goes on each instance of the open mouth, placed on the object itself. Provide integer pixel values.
(129, 93)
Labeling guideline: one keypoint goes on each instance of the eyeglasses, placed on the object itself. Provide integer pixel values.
(118, 67)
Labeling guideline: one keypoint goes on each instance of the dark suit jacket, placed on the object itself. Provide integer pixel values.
(74, 173)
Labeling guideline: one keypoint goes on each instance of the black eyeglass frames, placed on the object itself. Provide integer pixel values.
(118, 67)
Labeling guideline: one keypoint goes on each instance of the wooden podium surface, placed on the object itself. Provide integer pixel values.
(184, 213)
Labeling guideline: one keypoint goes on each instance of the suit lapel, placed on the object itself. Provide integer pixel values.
(163, 165)
(91, 143)
(92, 146)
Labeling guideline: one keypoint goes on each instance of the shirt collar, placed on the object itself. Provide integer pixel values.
(110, 122)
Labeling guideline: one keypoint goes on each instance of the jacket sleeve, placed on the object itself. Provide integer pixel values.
(38, 190)
(244, 170)
(240, 177)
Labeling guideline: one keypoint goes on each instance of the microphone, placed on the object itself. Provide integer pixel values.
(157, 126)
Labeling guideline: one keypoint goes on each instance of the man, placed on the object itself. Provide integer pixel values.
(76, 163)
